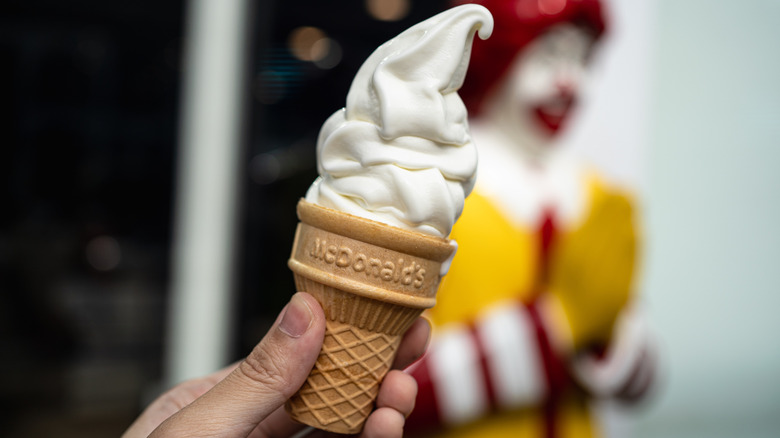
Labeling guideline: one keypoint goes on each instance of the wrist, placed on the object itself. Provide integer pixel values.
(556, 322)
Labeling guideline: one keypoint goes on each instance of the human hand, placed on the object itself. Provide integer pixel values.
(245, 399)
(627, 369)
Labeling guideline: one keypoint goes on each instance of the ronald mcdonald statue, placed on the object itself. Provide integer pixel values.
(537, 317)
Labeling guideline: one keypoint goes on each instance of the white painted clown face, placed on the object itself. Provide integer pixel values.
(542, 87)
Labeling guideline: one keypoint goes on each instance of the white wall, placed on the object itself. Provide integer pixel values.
(686, 108)
(713, 216)
(611, 128)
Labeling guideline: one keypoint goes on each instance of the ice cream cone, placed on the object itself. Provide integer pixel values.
(372, 281)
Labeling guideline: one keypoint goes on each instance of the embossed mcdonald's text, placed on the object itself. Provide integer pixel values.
(412, 274)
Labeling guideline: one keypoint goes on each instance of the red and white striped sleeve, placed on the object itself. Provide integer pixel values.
(503, 361)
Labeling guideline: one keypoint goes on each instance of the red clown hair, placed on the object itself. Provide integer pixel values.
(517, 23)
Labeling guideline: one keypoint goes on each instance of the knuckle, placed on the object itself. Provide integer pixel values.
(265, 367)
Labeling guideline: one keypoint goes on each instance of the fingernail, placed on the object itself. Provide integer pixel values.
(297, 317)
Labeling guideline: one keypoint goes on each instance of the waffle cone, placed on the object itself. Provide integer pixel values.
(372, 281)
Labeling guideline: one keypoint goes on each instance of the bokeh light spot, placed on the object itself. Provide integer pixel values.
(387, 10)
(270, 87)
(264, 168)
(103, 253)
(551, 7)
(333, 55)
(303, 43)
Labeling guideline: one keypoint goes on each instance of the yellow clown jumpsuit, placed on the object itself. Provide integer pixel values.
(586, 264)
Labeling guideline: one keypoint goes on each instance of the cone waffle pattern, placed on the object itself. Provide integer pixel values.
(360, 343)
(372, 281)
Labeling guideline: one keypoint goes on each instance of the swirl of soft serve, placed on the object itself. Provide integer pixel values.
(400, 152)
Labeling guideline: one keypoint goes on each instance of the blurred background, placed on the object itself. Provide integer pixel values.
(98, 124)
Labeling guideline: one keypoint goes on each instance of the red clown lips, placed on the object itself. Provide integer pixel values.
(553, 113)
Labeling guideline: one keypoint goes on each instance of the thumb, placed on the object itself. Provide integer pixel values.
(274, 370)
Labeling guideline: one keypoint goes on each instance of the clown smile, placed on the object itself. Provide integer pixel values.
(553, 112)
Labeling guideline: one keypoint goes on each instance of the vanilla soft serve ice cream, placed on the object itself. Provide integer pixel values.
(371, 246)
(400, 152)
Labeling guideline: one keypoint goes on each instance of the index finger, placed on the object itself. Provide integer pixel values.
(413, 344)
